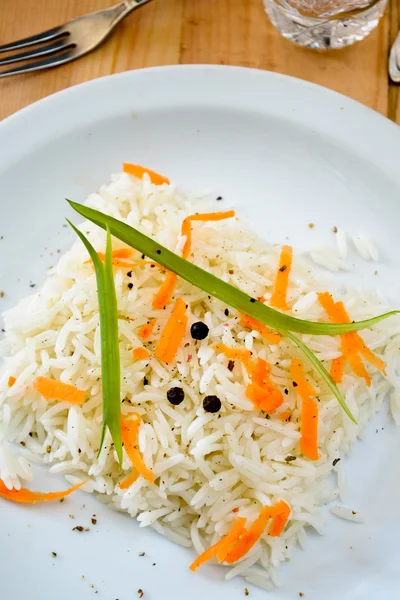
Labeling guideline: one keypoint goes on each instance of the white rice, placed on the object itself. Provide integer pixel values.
(347, 514)
(206, 466)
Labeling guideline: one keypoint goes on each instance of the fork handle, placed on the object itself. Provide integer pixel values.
(124, 8)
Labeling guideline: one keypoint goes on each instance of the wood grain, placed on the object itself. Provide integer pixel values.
(235, 32)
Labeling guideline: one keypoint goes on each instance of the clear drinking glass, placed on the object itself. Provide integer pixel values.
(324, 24)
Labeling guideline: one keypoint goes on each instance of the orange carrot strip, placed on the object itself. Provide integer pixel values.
(266, 398)
(214, 216)
(279, 294)
(51, 389)
(309, 412)
(234, 353)
(173, 333)
(176, 339)
(221, 549)
(225, 545)
(147, 329)
(251, 537)
(352, 343)
(165, 292)
(187, 228)
(285, 415)
(201, 560)
(126, 483)
(334, 309)
(11, 381)
(138, 171)
(337, 368)
(374, 360)
(280, 516)
(262, 392)
(121, 253)
(140, 353)
(129, 432)
(350, 349)
(25, 496)
(187, 232)
(273, 338)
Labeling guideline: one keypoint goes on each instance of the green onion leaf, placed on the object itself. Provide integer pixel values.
(110, 360)
(230, 295)
(213, 285)
(319, 367)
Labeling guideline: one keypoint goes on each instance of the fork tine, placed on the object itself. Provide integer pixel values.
(40, 51)
(45, 36)
(52, 61)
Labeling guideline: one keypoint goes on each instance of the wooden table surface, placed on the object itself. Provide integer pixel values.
(199, 31)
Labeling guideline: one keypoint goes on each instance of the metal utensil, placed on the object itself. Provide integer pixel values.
(67, 42)
(394, 61)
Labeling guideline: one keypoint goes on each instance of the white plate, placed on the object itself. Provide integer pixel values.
(285, 153)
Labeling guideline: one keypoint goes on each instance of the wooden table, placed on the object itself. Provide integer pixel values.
(199, 31)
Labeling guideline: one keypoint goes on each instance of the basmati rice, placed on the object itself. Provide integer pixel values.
(209, 468)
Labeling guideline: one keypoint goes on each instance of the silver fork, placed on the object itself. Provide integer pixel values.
(67, 42)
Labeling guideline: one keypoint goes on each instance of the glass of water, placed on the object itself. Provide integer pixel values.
(324, 24)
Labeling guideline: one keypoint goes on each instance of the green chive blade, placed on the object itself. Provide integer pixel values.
(319, 367)
(110, 362)
(213, 285)
(230, 295)
(110, 351)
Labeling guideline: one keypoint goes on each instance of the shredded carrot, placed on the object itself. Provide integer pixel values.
(280, 516)
(201, 560)
(187, 228)
(262, 392)
(51, 389)
(251, 537)
(140, 353)
(138, 171)
(173, 333)
(214, 216)
(165, 292)
(146, 331)
(353, 346)
(234, 353)
(267, 398)
(273, 338)
(337, 368)
(239, 541)
(115, 255)
(25, 496)
(221, 549)
(129, 432)
(234, 535)
(11, 381)
(279, 294)
(186, 231)
(116, 262)
(126, 483)
(309, 412)
(285, 415)
(121, 253)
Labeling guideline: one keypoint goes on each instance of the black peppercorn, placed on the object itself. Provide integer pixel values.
(199, 331)
(130, 285)
(175, 395)
(212, 404)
